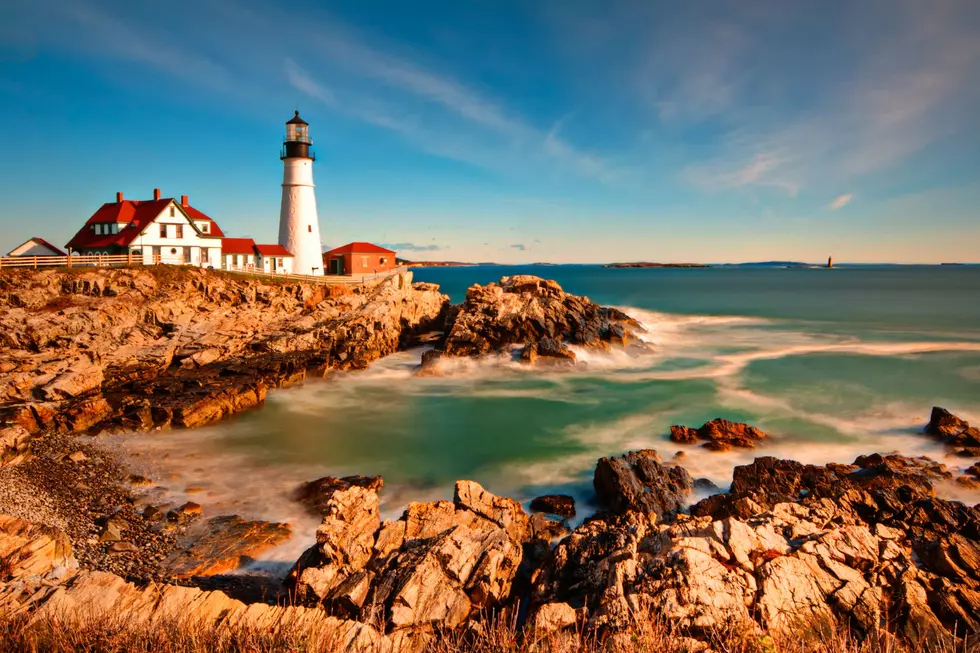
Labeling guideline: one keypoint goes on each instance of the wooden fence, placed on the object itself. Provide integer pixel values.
(118, 260)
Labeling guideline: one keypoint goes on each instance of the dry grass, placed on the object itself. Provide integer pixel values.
(118, 635)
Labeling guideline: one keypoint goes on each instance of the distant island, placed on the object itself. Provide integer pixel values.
(434, 264)
(641, 264)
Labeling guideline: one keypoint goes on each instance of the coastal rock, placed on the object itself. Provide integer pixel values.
(638, 481)
(14, 445)
(316, 495)
(437, 565)
(344, 544)
(223, 544)
(719, 435)
(139, 348)
(952, 430)
(529, 311)
(32, 550)
(554, 504)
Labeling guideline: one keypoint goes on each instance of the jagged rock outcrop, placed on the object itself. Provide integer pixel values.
(439, 564)
(90, 349)
(640, 482)
(531, 312)
(768, 481)
(796, 548)
(316, 495)
(954, 431)
(719, 435)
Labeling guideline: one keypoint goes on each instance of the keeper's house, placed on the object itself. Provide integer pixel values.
(161, 229)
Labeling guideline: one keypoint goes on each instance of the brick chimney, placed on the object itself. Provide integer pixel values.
(119, 198)
(156, 193)
(183, 200)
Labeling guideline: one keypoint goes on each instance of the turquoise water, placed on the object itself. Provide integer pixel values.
(832, 363)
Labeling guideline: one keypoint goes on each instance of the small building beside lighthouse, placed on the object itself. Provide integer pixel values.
(299, 226)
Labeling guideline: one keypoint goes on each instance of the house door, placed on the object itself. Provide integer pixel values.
(274, 268)
(336, 266)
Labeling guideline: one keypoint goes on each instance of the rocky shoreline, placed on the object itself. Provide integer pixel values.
(790, 550)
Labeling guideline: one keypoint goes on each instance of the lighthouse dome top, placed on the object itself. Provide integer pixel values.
(296, 120)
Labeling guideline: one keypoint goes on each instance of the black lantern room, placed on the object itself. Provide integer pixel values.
(297, 142)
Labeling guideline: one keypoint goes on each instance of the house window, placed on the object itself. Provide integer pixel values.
(238, 260)
(187, 255)
(383, 260)
(309, 228)
(204, 227)
(172, 213)
(180, 231)
(279, 262)
(98, 230)
(163, 231)
(173, 250)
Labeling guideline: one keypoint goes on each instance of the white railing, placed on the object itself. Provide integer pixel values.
(116, 260)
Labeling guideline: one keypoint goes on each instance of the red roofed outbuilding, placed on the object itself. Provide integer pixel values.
(358, 258)
(36, 247)
(244, 254)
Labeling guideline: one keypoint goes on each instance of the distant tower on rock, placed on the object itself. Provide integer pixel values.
(830, 261)
(299, 227)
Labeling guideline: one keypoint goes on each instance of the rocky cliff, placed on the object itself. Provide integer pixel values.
(88, 350)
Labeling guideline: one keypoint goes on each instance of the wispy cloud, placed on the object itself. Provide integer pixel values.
(518, 246)
(841, 201)
(761, 170)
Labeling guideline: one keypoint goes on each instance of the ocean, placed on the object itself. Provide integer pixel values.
(832, 363)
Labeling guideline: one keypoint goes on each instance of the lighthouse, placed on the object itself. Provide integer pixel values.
(299, 227)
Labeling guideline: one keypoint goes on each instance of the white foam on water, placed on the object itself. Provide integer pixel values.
(717, 349)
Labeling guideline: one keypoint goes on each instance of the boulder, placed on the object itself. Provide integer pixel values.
(639, 481)
(315, 495)
(719, 435)
(952, 430)
(554, 504)
(552, 617)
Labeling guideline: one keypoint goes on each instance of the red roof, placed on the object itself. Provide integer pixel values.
(237, 246)
(360, 248)
(273, 250)
(139, 214)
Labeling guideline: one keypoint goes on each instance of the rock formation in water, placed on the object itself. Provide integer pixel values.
(531, 312)
(955, 432)
(84, 350)
(719, 435)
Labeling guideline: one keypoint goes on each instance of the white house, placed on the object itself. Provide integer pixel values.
(161, 229)
(36, 247)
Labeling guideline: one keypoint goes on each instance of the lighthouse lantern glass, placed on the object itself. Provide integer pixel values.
(297, 133)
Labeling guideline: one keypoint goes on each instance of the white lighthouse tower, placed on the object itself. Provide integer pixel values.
(299, 227)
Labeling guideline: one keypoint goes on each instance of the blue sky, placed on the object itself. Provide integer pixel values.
(512, 131)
